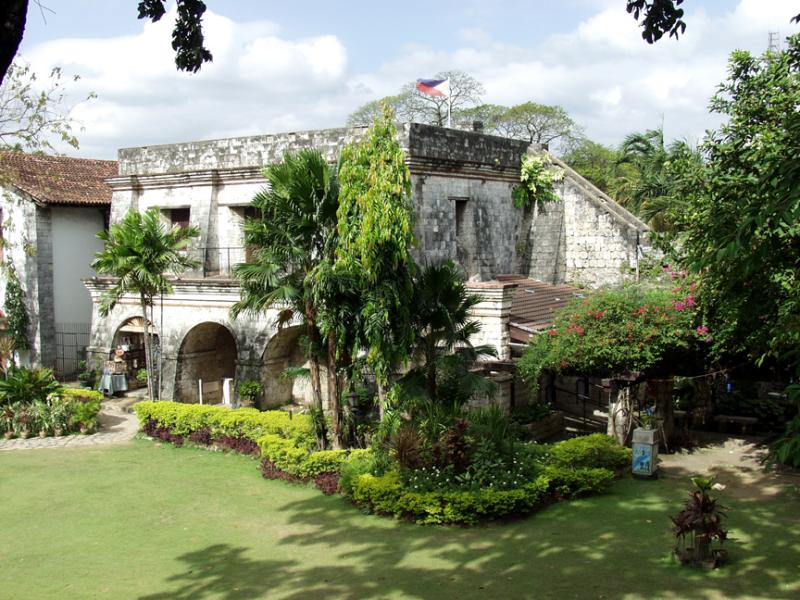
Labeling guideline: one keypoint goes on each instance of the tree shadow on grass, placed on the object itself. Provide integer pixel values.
(221, 571)
(612, 546)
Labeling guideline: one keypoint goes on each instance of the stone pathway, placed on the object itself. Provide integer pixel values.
(736, 462)
(117, 425)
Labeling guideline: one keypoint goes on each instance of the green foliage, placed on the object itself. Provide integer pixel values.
(81, 394)
(294, 237)
(743, 217)
(375, 227)
(249, 389)
(32, 402)
(611, 331)
(140, 252)
(530, 413)
(17, 320)
(786, 449)
(357, 464)
(590, 451)
(387, 494)
(28, 385)
(537, 176)
(183, 419)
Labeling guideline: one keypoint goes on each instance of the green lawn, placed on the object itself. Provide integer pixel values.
(150, 521)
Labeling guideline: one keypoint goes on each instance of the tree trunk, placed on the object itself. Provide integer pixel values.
(619, 412)
(13, 15)
(147, 350)
(662, 391)
(430, 374)
(316, 385)
(381, 398)
(334, 399)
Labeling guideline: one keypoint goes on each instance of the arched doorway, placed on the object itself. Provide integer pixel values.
(207, 353)
(130, 339)
(284, 350)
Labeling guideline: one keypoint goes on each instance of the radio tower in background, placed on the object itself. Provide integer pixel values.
(774, 44)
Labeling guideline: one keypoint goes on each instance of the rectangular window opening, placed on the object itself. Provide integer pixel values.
(461, 212)
(180, 217)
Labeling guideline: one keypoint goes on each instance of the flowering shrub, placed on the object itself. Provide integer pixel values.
(630, 329)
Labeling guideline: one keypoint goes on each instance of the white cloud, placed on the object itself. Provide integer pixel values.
(602, 72)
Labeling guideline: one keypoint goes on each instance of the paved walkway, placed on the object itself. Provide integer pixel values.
(736, 462)
(116, 426)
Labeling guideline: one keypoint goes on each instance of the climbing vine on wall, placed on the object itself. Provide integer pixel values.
(17, 319)
(537, 176)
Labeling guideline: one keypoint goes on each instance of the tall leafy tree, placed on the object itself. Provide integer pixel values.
(292, 236)
(743, 218)
(141, 253)
(375, 238)
(538, 124)
(650, 188)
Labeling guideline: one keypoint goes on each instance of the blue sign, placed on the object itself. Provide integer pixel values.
(642, 459)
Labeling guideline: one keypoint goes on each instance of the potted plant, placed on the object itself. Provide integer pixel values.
(698, 527)
(86, 376)
(22, 421)
(248, 392)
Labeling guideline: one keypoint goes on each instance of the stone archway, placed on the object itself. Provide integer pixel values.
(284, 350)
(207, 353)
(129, 336)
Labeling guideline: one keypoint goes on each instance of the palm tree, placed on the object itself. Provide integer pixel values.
(293, 234)
(141, 252)
(650, 190)
(442, 315)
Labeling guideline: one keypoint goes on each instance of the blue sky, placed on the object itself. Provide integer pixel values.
(295, 65)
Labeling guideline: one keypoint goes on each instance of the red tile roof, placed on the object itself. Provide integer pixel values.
(534, 303)
(59, 179)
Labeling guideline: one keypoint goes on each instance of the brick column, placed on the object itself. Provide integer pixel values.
(493, 312)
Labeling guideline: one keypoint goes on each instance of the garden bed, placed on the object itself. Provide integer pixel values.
(286, 446)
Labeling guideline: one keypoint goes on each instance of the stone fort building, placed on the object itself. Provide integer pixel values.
(462, 183)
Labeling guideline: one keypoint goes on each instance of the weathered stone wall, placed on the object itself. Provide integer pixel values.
(231, 153)
(21, 231)
(193, 303)
(584, 238)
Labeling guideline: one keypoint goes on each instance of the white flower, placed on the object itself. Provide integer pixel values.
(718, 487)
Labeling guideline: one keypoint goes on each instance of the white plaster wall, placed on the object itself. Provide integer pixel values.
(75, 244)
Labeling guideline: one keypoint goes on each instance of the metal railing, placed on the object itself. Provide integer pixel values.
(216, 261)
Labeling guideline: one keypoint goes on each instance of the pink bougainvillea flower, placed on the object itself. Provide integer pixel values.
(679, 306)
(692, 286)
(702, 330)
(689, 300)
(552, 332)
(673, 274)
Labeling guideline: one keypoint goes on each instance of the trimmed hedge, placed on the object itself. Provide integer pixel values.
(386, 495)
(574, 468)
(595, 450)
(81, 394)
(185, 419)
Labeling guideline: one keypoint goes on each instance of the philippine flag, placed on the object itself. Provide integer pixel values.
(434, 87)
